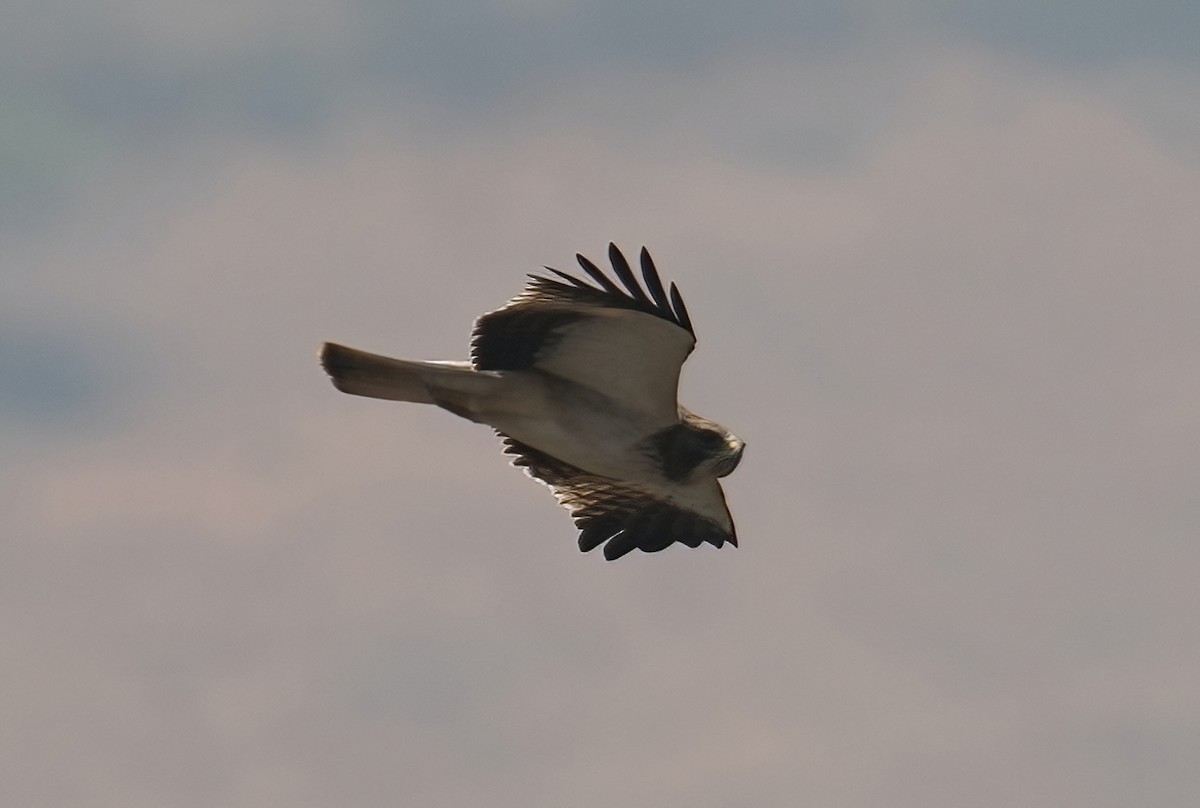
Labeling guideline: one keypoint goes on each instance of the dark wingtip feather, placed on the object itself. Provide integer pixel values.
(569, 278)
(621, 267)
(681, 312)
(633, 296)
(621, 544)
(653, 282)
(594, 530)
(598, 276)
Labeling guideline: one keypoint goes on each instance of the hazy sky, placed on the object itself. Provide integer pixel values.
(942, 261)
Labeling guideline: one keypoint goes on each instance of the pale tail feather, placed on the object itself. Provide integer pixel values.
(366, 374)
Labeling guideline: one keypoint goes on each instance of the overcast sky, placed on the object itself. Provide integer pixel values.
(942, 261)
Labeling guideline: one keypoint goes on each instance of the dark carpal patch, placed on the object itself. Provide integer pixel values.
(512, 338)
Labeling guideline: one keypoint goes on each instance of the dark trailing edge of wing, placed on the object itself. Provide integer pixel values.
(658, 302)
(621, 517)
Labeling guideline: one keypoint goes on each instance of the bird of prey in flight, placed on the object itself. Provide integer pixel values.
(581, 382)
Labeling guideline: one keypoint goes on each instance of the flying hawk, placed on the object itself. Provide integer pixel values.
(581, 382)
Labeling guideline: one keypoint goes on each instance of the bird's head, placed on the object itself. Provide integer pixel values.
(728, 455)
(698, 446)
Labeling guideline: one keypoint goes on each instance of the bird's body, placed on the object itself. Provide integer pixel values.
(581, 382)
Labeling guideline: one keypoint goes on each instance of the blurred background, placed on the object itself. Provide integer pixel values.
(942, 261)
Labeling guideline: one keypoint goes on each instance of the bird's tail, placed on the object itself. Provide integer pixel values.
(448, 384)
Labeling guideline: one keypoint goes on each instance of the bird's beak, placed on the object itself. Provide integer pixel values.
(734, 456)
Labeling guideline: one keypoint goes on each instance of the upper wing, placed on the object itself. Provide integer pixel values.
(626, 344)
(630, 516)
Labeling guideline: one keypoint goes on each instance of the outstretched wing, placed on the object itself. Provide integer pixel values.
(626, 516)
(628, 344)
